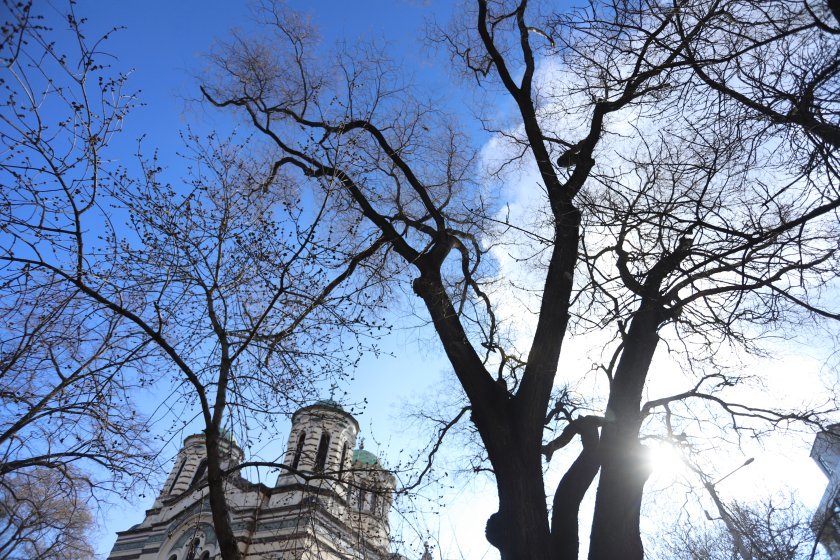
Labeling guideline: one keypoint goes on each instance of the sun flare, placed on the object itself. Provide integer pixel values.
(665, 459)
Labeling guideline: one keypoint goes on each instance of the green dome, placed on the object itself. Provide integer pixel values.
(365, 457)
(328, 402)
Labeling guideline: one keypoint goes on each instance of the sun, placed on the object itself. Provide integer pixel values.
(665, 460)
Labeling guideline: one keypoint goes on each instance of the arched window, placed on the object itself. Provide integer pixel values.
(299, 450)
(374, 502)
(360, 499)
(173, 557)
(321, 456)
(343, 459)
(177, 476)
(199, 472)
(205, 556)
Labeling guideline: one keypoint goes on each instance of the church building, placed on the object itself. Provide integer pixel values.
(826, 521)
(332, 505)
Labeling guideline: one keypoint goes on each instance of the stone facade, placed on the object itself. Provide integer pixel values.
(826, 522)
(332, 503)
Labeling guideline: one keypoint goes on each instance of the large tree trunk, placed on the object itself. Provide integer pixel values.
(513, 441)
(624, 469)
(615, 529)
(565, 527)
(520, 528)
(218, 503)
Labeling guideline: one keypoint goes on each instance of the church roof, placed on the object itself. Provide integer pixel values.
(330, 403)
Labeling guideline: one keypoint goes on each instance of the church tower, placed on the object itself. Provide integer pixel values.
(190, 466)
(331, 500)
(320, 444)
(321, 457)
(370, 496)
(826, 520)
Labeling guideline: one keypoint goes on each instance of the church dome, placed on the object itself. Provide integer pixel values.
(365, 457)
(228, 435)
(328, 403)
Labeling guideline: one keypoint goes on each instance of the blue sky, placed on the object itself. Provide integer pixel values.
(164, 44)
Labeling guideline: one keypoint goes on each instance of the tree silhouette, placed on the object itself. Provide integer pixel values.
(674, 207)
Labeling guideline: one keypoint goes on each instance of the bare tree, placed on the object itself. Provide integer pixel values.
(232, 287)
(66, 396)
(777, 68)
(665, 215)
(43, 516)
(69, 431)
(244, 290)
(770, 530)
